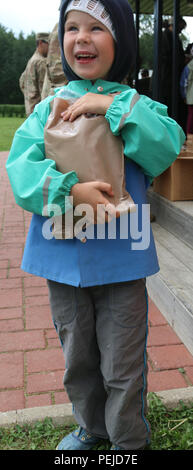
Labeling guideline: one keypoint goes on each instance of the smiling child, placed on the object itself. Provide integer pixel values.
(97, 289)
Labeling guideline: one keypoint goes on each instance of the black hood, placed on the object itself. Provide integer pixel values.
(125, 46)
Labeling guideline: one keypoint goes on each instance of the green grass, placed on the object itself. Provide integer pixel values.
(171, 430)
(8, 126)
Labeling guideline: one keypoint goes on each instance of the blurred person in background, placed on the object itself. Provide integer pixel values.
(32, 79)
(166, 70)
(54, 76)
(186, 85)
(144, 83)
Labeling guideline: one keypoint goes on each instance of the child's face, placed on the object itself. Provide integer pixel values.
(88, 46)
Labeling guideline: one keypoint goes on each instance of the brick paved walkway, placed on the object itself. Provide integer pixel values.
(31, 360)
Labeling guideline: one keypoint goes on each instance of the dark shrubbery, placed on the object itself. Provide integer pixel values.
(10, 110)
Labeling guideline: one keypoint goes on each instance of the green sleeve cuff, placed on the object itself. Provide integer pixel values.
(60, 196)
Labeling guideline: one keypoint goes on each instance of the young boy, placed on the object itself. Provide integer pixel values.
(97, 289)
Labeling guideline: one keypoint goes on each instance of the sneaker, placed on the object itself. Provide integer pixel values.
(114, 447)
(79, 439)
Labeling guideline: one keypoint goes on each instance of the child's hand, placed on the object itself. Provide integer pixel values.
(89, 103)
(92, 193)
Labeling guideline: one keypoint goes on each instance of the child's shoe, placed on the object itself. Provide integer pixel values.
(79, 439)
(114, 447)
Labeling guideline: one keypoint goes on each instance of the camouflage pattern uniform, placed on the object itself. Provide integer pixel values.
(31, 81)
(54, 76)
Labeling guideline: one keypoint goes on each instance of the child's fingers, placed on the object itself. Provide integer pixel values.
(89, 103)
(80, 107)
(65, 115)
(105, 187)
(85, 104)
(72, 113)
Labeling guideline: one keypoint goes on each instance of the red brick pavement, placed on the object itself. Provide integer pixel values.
(31, 359)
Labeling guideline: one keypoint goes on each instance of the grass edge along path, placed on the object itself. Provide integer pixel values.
(171, 430)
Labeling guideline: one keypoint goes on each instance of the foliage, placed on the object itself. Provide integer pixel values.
(171, 430)
(146, 51)
(12, 110)
(146, 40)
(15, 53)
(146, 24)
(40, 436)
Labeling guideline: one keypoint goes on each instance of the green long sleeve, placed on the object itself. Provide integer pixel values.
(151, 138)
(34, 179)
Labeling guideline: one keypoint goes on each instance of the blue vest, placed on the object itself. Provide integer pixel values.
(98, 261)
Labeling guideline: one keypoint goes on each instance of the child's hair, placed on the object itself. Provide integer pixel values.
(122, 20)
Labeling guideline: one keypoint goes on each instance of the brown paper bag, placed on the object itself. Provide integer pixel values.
(88, 147)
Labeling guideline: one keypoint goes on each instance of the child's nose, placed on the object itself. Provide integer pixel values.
(83, 37)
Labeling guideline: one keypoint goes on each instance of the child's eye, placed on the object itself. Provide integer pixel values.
(97, 28)
(71, 28)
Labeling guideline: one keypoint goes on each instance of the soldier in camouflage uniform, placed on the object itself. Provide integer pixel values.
(31, 80)
(54, 76)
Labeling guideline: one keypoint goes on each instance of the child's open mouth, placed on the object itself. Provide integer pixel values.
(85, 58)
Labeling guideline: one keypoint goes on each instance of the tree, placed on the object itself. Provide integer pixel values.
(15, 52)
(146, 24)
(146, 40)
(146, 44)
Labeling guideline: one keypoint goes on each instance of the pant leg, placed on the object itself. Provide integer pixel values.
(74, 320)
(121, 316)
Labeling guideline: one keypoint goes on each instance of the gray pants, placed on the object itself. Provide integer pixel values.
(103, 332)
